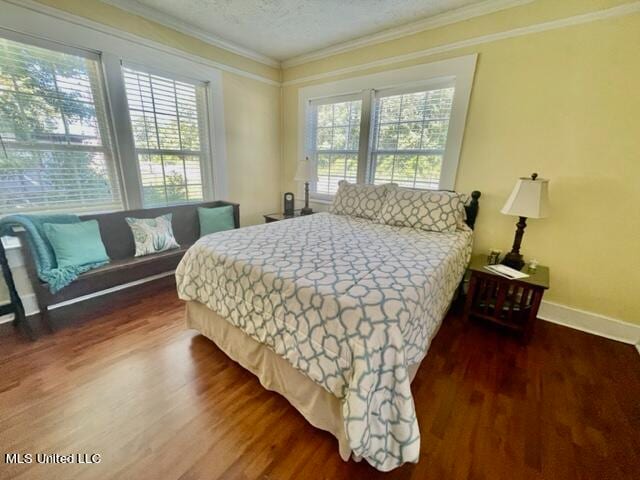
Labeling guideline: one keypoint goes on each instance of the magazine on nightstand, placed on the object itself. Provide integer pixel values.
(507, 272)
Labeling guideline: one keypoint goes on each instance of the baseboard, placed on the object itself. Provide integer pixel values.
(31, 304)
(590, 322)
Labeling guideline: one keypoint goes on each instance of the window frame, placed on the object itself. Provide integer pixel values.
(205, 151)
(104, 124)
(42, 30)
(311, 151)
(394, 91)
(457, 72)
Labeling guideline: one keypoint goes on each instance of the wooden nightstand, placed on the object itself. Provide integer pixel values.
(510, 303)
(275, 217)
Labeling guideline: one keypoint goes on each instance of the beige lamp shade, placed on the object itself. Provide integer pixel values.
(530, 198)
(305, 171)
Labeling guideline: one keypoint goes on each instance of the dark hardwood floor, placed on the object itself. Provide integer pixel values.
(158, 401)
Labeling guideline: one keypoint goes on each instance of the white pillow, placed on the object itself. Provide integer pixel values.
(432, 210)
(356, 200)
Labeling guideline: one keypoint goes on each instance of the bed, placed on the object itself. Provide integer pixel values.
(333, 312)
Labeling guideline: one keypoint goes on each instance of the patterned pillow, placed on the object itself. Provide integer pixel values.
(358, 200)
(152, 235)
(434, 210)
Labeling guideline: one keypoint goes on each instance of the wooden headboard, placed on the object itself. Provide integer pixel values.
(472, 207)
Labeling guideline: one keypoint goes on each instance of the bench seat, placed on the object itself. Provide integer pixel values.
(117, 272)
(118, 240)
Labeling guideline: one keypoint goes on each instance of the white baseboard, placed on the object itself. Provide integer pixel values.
(31, 305)
(590, 322)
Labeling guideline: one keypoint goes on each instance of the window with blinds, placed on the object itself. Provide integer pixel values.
(409, 137)
(55, 145)
(395, 135)
(168, 122)
(335, 136)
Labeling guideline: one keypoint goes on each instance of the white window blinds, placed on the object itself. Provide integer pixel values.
(55, 145)
(168, 121)
(334, 126)
(410, 136)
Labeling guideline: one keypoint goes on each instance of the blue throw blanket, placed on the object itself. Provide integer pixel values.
(56, 277)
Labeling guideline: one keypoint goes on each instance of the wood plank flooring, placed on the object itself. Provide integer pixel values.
(158, 401)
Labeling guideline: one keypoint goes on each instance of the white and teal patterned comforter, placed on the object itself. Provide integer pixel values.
(349, 302)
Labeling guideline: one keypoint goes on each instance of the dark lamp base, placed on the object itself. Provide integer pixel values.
(513, 260)
(306, 211)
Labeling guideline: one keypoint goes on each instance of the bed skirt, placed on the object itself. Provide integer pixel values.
(320, 408)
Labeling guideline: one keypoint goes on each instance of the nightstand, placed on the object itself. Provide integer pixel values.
(512, 304)
(275, 217)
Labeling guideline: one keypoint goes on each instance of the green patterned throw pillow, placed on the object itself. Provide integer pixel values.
(152, 235)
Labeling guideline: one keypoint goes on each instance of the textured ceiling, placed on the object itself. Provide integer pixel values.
(282, 29)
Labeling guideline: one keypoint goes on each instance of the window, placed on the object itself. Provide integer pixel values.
(167, 118)
(334, 145)
(410, 136)
(405, 145)
(87, 131)
(55, 144)
(403, 126)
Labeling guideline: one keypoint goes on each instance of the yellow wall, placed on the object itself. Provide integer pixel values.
(563, 103)
(252, 107)
(252, 120)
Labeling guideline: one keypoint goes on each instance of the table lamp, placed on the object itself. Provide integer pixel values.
(305, 173)
(529, 199)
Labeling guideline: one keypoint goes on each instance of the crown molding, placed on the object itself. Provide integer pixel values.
(430, 23)
(618, 11)
(38, 7)
(137, 8)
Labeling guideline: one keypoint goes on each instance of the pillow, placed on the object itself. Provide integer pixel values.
(358, 200)
(76, 244)
(152, 235)
(215, 219)
(434, 210)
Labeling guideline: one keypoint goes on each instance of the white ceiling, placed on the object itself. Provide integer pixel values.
(283, 29)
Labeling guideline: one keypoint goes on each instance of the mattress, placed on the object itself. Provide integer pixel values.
(348, 302)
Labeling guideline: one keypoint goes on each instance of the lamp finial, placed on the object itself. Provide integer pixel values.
(534, 176)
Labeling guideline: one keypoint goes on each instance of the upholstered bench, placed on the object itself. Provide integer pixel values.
(118, 240)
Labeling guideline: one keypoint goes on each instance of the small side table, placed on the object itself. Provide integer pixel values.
(275, 217)
(512, 304)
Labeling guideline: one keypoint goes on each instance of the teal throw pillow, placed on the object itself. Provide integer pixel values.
(215, 219)
(76, 244)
